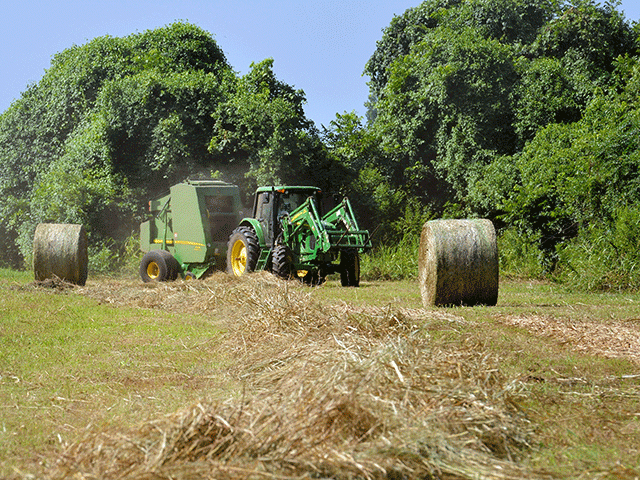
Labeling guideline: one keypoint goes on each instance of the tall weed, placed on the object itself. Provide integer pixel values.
(114, 259)
(396, 258)
(519, 255)
(604, 257)
(392, 262)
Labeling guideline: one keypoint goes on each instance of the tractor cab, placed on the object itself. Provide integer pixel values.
(273, 203)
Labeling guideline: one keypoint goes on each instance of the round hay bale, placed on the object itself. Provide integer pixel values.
(458, 263)
(60, 250)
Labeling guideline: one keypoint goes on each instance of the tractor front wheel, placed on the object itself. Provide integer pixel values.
(282, 262)
(349, 268)
(243, 251)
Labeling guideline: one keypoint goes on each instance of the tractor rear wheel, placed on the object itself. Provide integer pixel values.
(349, 268)
(282, 261)
(243, 251)
(158, 266)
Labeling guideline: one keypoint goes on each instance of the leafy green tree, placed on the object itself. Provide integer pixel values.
(446, 112)
(443, 76)
(545, 93)
(361, 171)
(580, 176)
(157, 126)
(353, 146)
(404, 31)
(512, 22)
(590, 32)
(572, 57)
(117, 121)
(458, 86)
(262, 124)
(509, 21)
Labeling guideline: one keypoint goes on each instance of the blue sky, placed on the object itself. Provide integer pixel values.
(320, 47)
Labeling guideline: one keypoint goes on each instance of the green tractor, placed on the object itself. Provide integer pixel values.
(188, 233)
(289, 235)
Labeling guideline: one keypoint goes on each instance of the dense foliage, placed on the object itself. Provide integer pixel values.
(521, 111)
(117, 121)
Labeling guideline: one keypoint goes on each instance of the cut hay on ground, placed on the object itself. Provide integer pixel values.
(339, 393)
(611, 340)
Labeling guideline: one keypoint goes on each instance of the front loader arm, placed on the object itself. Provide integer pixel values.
(338, 229)
(347, 233)
(305, 218)
(342, 213)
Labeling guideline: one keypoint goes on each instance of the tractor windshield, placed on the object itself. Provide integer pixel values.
(289, 201)
(272, 204)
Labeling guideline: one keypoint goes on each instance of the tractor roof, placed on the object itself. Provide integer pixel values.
(286, 188)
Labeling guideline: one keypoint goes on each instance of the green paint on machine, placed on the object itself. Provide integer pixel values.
(188, 232)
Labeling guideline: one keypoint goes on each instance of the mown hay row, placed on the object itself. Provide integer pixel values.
(328, 392)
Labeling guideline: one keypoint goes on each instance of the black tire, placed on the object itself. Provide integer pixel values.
(243, 251)
(154, 268)
(189, 276)
(282, 261)
(173, 268)
(349, 268)
(314, 278)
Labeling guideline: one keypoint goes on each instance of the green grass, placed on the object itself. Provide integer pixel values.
(68, 361)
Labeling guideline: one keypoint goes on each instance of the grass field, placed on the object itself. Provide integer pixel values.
(259, 378)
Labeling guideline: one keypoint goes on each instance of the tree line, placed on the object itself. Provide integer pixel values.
(521, 111)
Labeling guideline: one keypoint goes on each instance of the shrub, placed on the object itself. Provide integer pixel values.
(604, 257)
(392, 262)
(518, 254)
(116, 259)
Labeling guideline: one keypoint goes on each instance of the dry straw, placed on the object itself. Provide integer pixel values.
(328, 392)
(458, 263)
(60, 250)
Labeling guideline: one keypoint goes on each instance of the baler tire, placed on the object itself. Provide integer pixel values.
(243, 251)
(349, 268)
(154, 268)
(282, 261)
(173, 268)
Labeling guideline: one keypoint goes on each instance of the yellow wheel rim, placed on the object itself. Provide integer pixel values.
(153, 270)
(238, 258)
